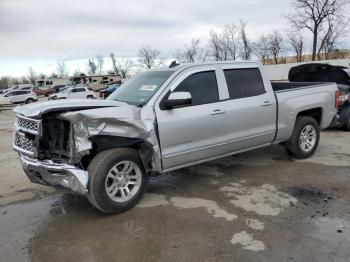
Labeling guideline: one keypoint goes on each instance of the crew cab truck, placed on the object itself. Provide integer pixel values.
(163, 120)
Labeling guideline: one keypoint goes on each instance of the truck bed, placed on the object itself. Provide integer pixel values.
(289, 86)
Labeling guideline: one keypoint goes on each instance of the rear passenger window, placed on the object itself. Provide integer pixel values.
(244, 82)
(202, 86)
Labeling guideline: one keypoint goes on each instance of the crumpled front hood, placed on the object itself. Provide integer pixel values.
(37, 109)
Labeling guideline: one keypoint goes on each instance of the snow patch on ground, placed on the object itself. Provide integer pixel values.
(152, 200)
(255, 224)
(211, 206)
(263, 200)
(247, 241)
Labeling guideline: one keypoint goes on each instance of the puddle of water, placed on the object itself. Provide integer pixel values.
(18, 224)
(327, 230)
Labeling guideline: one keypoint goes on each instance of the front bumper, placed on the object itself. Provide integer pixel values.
(53, 174)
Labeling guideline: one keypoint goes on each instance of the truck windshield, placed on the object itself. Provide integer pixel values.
(139, 89)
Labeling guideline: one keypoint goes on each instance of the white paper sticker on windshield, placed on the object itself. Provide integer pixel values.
(148, 87)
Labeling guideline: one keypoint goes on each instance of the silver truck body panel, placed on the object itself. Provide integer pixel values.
(292, 102)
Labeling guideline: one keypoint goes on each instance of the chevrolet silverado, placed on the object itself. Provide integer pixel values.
(163, 120)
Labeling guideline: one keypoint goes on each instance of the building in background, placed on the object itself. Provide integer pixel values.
(97, 82)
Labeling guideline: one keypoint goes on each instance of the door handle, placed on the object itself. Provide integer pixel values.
(217, 112)
(267, 103)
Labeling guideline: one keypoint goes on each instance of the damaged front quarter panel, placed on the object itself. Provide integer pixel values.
(124, 121)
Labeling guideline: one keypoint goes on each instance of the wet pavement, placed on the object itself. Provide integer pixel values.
(257, 206)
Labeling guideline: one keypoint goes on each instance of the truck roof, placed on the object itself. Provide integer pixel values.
(188, 65)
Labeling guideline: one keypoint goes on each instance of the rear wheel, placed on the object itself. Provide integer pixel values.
(90, 97)
(346, 125)
(305, 138)
(29, 101)
(117, 180)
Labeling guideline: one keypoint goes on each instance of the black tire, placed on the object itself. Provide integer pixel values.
(90, 97)
(293, 146)
(29, 101)
(98, 170)
(346, 125)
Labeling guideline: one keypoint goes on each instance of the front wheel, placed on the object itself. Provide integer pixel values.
(305, 138)
(117, 180)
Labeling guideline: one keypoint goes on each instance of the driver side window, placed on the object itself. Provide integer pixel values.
(202, 86)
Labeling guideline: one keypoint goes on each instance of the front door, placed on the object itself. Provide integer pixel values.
(194, 132)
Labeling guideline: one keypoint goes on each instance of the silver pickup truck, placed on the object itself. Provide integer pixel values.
(163, 120)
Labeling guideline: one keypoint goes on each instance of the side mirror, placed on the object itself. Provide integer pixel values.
(177, 99)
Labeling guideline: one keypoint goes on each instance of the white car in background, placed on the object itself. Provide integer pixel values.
(80, 92)
(19, 97)
(17, 87)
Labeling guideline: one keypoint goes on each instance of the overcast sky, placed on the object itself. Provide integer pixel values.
(37, 33)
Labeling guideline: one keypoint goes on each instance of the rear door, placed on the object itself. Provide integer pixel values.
(192, 133)
(250, 109)
(19, 96)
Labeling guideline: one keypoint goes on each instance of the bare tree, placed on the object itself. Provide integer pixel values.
(100, 61)
(261, 49)
(77, 72)
(148, 57)
(5, 82)
(329, 37)
(61, 68)
(231, 39)
(191, 53)
(114, 63)
(32, 75)
(275, 45)
(92, 67)
(42, 76)
(313, 15)
(216, 46)
(124, 65)
(296, 41)
(53, 75)
(246, 49)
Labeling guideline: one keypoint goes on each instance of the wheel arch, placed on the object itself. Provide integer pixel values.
(105, 142)
(316, 113)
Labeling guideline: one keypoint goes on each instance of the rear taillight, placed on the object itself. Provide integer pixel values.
(337, 100)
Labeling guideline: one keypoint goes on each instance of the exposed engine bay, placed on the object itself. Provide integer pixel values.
(55, 143)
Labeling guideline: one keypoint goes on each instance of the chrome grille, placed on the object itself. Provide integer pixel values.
(31, 126)
(23, 143)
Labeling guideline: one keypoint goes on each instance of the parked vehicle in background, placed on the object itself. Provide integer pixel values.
(109, 90)
(21, 96)
(4, 100)
(80, 92)
(166, 119)
(316, 72)
(17, 87)
(45, 87)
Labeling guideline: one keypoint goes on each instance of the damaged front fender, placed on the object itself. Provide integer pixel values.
(124, 121)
